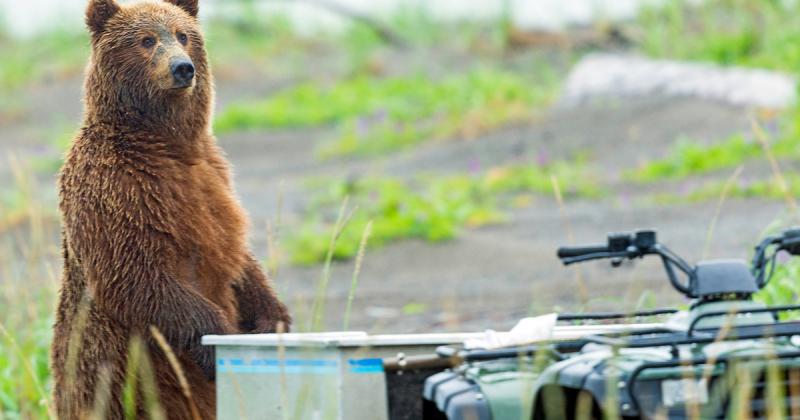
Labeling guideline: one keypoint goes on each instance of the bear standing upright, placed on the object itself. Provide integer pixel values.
(153, 234)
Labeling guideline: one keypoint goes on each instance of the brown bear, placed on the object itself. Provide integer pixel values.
(153, 234)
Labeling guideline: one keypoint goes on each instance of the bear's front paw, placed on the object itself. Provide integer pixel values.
(274, 320)
(205, 359)
(271, 323)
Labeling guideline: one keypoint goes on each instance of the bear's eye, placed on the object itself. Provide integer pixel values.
(148, 42)
(182, 38)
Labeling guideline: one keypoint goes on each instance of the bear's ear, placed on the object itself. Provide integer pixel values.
(98, 13)
(190, 6)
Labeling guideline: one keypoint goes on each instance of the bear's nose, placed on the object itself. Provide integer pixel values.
(182, 71)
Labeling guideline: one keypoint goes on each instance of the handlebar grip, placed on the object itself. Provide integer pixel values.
(577, 251)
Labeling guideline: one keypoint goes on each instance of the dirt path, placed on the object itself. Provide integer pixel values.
(489, 277)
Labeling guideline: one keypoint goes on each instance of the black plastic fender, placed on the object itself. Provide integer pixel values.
(455, 397)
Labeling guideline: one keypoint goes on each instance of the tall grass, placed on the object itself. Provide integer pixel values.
(748, 32)
(28, 274)
(318, 309)
(356, 271)
(25, 333)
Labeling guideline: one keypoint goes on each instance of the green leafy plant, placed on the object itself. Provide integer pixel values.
(429, 208)
(783, 288)
(689, 157)
(378, 115)
(756, 33)
(434, 214)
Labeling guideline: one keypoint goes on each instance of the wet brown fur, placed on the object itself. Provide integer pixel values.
(152, 231)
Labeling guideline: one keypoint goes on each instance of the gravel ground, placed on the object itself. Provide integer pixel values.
(489, 277)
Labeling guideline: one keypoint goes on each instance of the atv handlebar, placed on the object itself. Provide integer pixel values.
(621, 246)
(764, 262)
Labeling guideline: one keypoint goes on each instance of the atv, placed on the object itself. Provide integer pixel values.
(725, 356)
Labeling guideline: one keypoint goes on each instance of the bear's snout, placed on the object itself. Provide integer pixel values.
(182, 72)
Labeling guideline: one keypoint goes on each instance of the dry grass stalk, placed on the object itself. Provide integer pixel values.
(102, 394)
(761, 136)
(140, 381)
(28, 370)
(75, 344)
(176, 367)
(273, 251)
(273, 255)
(726, 189)
(356, 271)
(794, 392)
(583, 292)
(319, 301)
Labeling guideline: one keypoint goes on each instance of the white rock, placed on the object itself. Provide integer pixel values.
(619, 76)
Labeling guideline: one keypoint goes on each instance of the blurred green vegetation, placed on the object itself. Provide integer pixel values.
(378, 114)
(25, 360)
(63, 53)
(53, 55)
(769, 188)
(784, 287)
(461, 105)
(430, 208)
(754, 33)
(381, 115)
(249, 37)
(689, 157)
(52, 157)
(28, 293)
(271, 41)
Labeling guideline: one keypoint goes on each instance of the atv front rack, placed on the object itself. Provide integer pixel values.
(662, 337)
(650, 337)
(635, 409)
(607, 316)
(772, 309)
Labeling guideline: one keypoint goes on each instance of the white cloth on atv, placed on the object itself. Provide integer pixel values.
(527, 330)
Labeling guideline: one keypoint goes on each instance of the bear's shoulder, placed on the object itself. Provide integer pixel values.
(120, 175)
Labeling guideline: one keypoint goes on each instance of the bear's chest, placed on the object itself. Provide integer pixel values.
(209, 231)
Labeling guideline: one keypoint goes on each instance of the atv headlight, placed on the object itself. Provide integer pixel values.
(684, 391)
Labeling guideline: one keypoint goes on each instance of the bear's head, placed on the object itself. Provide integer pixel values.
(148, 58)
